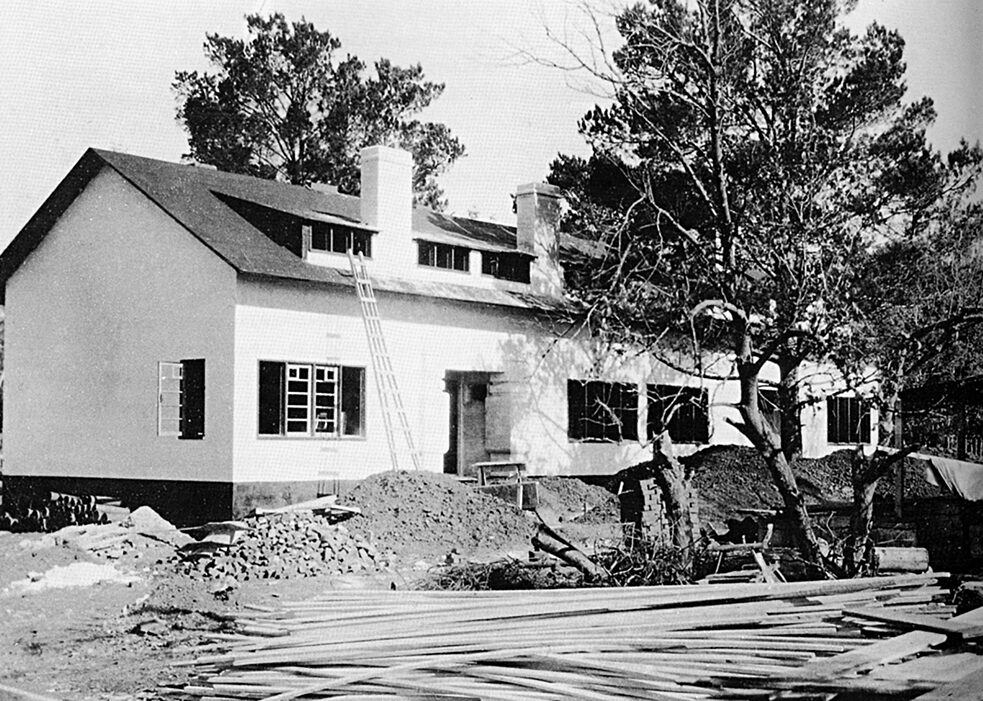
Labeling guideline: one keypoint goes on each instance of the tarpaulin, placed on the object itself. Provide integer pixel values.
(962, 478)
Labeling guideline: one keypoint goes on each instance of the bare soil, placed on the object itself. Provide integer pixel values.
(119, 640)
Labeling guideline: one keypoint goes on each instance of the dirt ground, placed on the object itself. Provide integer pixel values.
(137, 607)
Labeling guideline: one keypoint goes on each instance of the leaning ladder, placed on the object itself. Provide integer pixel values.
(389, 397)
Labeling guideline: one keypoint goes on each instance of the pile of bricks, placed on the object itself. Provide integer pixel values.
(282, 546)
(648, 512)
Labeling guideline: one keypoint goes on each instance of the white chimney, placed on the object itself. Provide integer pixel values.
(537, 207)
(387, 203)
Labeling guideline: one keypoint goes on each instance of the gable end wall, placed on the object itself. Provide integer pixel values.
(115, 287)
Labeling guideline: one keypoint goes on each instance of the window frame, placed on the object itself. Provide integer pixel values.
(334, 374)
(171, 365)
(593, 415)
(431, 253)
(689, 420)
(506, 266)
(190, 396)
(834, 424)
(357, 240)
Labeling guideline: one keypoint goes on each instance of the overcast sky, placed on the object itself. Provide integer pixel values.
(99, 73)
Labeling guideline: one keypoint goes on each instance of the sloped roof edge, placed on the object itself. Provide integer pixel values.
(186, 194)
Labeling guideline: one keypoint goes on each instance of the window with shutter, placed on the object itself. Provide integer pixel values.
(193, 398)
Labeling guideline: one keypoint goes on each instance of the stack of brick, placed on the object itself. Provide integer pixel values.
(646, 510)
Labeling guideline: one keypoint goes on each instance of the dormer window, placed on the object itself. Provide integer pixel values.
(443, 255)
(333, 238)
(505, 266)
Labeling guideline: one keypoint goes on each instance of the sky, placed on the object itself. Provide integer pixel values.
(99, 73)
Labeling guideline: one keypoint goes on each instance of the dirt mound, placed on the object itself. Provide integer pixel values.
(731, 477)
(575, 500)
(426, 515)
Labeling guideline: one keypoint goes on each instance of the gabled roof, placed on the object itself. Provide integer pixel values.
(192, 196)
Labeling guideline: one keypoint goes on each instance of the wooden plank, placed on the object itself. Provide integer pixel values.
(969, 687)
(932, 668)
(885, 650)
(918, 622)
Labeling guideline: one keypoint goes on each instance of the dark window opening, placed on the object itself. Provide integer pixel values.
(442, 255)
(505, 266)
(602, 411)
(333, 238)
(847, 420)
(683, 411)
(297, 399)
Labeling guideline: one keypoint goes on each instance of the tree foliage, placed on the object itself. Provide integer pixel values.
(282, 104)
(755, 155)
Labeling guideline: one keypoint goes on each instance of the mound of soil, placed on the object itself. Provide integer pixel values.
(729, 478)
(423, 515)
(575, 500)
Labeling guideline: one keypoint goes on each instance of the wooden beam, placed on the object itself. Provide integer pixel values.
(919, 622)
(969, 687)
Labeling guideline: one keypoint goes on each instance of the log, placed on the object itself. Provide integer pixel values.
(548, 540)
(901, 559)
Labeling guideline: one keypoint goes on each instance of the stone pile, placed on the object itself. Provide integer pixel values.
(282, 546)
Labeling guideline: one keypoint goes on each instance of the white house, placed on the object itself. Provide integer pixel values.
(192, 339)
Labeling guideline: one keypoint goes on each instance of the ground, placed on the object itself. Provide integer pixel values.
(118, 638)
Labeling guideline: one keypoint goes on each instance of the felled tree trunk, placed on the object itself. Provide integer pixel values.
(549, 541)
(677, 491)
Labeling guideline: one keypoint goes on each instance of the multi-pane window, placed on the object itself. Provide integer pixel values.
(339, 239)
(169, 399)
(683, 411)
(847, 420)
(505, 266)
(301, 399)
(603, 411)
(442, 255)
(181, 398)
(298, 399)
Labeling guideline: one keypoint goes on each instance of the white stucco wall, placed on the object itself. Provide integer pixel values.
(115, 287)
(426, 339)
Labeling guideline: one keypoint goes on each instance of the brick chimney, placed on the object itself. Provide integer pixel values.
(537, 207)
(387, 203)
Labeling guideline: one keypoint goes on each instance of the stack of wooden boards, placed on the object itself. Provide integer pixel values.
(742, 641)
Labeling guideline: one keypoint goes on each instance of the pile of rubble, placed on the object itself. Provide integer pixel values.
(282, 546)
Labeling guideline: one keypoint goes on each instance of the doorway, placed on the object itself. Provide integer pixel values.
(468, 415)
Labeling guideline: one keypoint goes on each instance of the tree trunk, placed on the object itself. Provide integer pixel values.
(858, 551)
(788, 403)
(768, 444)
(676, 488)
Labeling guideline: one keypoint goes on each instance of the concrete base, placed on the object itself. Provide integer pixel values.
(181, 503)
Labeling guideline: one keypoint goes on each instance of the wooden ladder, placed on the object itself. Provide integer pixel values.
(390, 400)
